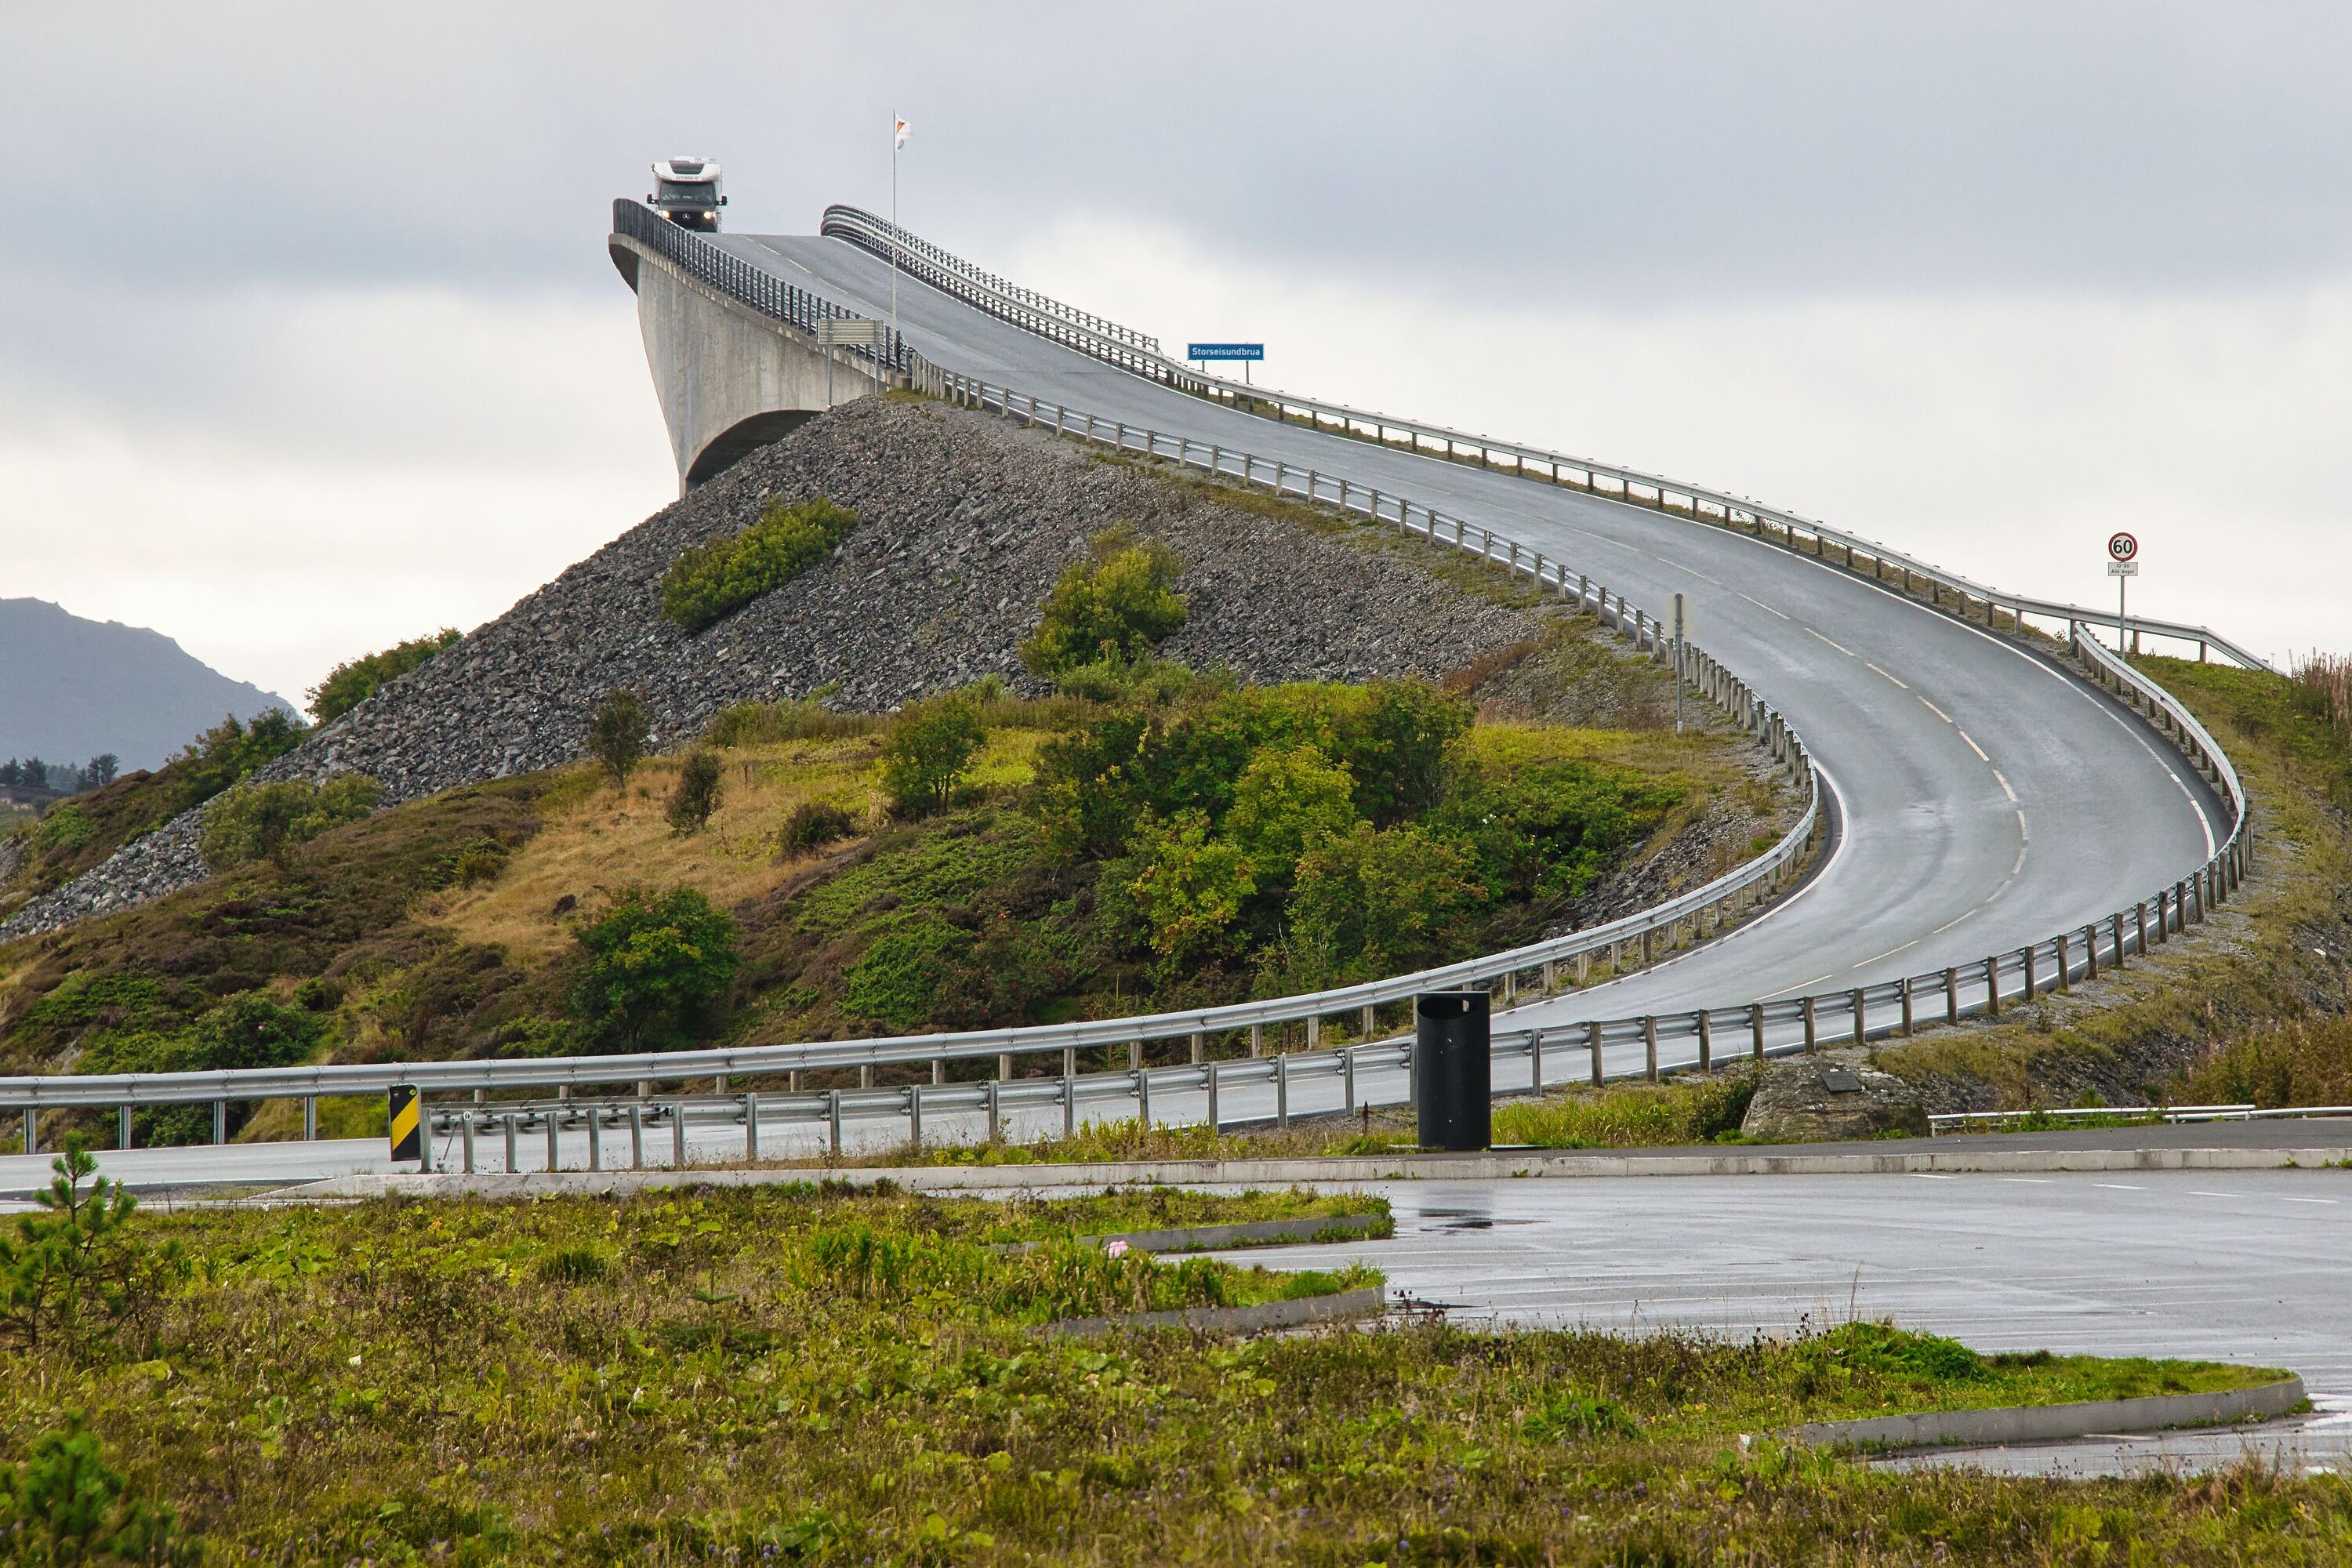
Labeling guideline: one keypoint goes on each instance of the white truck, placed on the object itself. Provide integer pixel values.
(685, 190)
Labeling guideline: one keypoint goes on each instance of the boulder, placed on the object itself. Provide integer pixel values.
(1816, 1101)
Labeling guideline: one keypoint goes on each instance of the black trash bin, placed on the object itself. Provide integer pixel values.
(1454, 1064)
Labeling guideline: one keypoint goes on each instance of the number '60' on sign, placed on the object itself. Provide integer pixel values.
(2123, 547)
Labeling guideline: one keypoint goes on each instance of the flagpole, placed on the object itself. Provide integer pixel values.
(894, 228)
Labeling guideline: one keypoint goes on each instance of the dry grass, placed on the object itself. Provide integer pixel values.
(599, 840)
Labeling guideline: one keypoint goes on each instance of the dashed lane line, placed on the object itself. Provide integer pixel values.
(1950, 923)
(2002, 779)
(1906, 685)
(1939, 713)
(1832, 641)
(1979, 751)
(1800, 985)
(1888, 953)
(2118, 1187)
(1762, 606)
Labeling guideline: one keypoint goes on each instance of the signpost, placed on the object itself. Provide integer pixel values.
(1682, 610)
(1246, 352)
(2122, 564)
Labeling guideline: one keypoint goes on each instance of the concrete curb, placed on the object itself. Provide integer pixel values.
(2007, 1424)
(1215, 1237)
(1343, 1169)
(1341, 1307)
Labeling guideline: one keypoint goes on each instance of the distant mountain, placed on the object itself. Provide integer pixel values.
(71, 688)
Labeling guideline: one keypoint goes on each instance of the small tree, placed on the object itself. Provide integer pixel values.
(653, 967)
(1191, 885)
(349, 685)
(697, 796)
(1289, 799)
(1111, 608)
(269, 821)
(75, 1268)
(616, 733)
(929, 752)
(64, 1504)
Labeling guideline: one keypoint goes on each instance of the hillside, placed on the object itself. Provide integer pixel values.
(71, 689)
(965, 521)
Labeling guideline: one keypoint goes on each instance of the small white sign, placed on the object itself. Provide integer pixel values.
(2123, 568)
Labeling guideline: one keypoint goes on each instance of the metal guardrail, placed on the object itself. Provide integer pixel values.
(1790, 530)
(1804, 1023)
(914, 253)
(1992, 1120)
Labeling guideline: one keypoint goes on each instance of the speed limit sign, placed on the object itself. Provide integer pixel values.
(2122, 547)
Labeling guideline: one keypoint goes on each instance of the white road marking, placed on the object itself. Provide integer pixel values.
(2002, 779)
(1762, 604)
(1939, 713)
(1928, 1176)
(1840, 647)
(1906, 685)
(2037, 1181)
(2118, 1187)
(2306, 1200)
(1950, 924)
(1889, 953)
(1800, 985)
(2195, 1194)
(1979, 751)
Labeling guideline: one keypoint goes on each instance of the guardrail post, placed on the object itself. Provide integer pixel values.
(2065, 963)
(2032, 954)
(1650, 1046)
(1144, 1097)
(915, 1115)
(833, 1119)
(1951, 995)
(507, 1126)
(1705, 1041)
(1993, 987)
(1257, 1039)
(595, 1139)
(2091, 951)
(1592, 1042)
(310, 1121)
(1348, 1077)
(995, 1117)
(750, 1127)
(2116, 922)
(2139, 923)
(2163, 921)
(1813, 1028)
(1069, 1095)
(1905, 984)
(2180, 907)
(1859, 1007)
(1314, 1033)
(1199, 1044)
(1371, 1023)
(466, 1140)
(1282, 1093)
(122, 1127)
(554, 1153)
(1756, 1031)
(1216, 1124)
(220, 1122)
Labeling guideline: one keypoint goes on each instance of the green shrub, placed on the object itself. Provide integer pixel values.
(1288, 799)
(64, 826)
(1191, 885)
(1113, 607)
(616, 733)
(898, 981)
(1372, 902)
(813, 823)
(226, 753)
(929, 753)
(710, 581)
(349, 685)
(64, 1505)
(257, 822)
(697, 795)
(478, 863)
(653, 967)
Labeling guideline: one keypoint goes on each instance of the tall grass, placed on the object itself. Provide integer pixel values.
(2328, 677)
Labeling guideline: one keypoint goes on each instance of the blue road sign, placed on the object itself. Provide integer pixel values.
(1224, 351)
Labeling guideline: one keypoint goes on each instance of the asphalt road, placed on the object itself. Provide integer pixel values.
(1989, 798)
(2242, 1266)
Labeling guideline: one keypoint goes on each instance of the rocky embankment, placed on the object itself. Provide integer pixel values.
(964, 523)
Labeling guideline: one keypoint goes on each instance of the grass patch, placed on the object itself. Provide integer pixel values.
(818, 1374)
(1631, 1116)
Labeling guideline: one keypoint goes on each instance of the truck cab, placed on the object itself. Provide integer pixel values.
(685, 190)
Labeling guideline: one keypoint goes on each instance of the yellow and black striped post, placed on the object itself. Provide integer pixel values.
(407, 1108)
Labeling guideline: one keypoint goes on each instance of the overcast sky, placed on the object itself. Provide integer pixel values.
(309, 341)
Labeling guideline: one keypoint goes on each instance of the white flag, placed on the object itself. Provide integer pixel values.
(899, 136)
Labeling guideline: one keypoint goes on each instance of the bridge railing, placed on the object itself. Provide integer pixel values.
(1944, 589)
(879, 233)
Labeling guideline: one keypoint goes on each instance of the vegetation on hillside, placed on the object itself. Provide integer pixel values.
(1112, 609)
(821, 1374)
(351, 683)
(710, 581)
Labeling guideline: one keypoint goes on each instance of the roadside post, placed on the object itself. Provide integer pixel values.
(410, 1140)
(1453, 1067)
(2122, 565)
(1682, 610)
